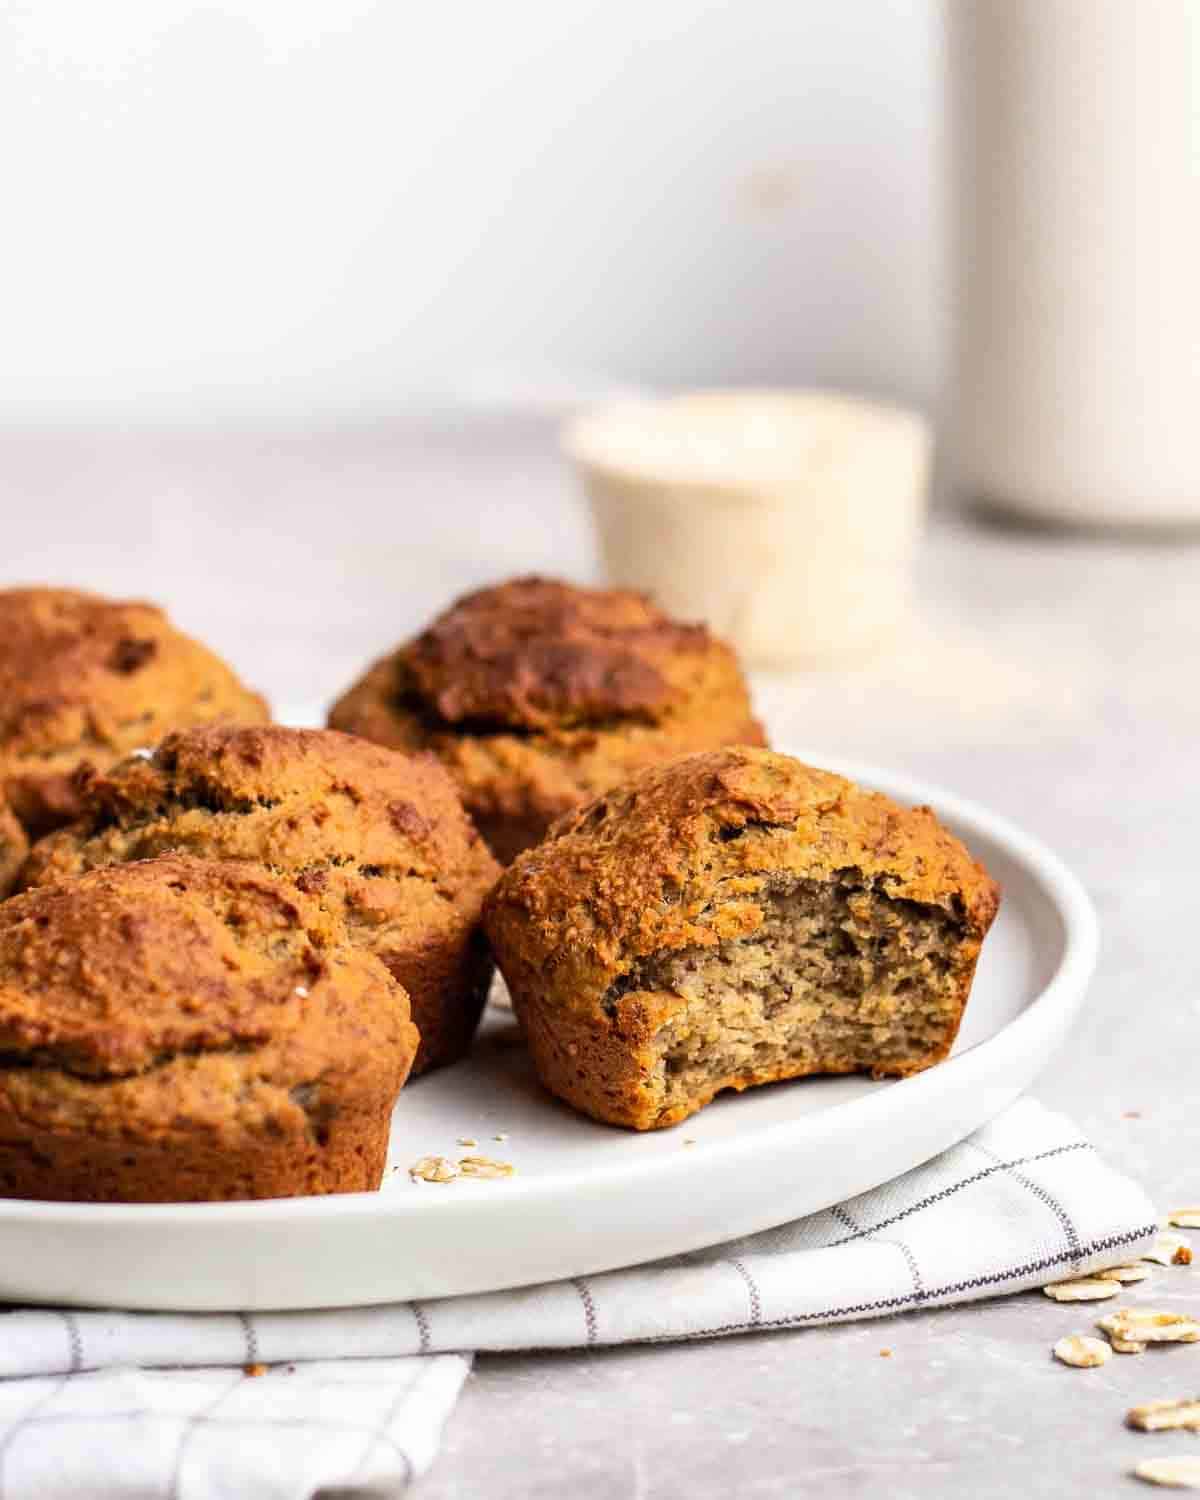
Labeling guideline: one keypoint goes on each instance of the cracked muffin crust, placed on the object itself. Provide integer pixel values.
(88, 679)
(379, 839)
(185, 1030)
(538, 695)
(730, 919)
(13, 848)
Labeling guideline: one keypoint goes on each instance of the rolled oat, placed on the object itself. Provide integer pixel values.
(1083, 1352)
(1085, 1290)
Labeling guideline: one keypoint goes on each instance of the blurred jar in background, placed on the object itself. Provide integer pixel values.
(786, 519)
(1075, 389)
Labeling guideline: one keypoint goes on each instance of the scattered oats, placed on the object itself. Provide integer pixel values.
(1159, 1416)
(1126, 1346)
(885, 1354)
(1087, 1290)
(484, 1166)
(433, 1169)
(1184, 1218)
(467, 1140)
(1124, 1273)
(1166, 1248)
(689, 1140)
(1174, 1473)
(1132, 1114)
(1083, 1352)
(301, 991)
(503, 1136)
(1142, 1325)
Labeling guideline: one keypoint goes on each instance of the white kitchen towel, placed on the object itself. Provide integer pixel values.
(95, 1402)
(346, 1426)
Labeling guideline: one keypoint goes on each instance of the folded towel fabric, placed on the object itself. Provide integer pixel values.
(128, 1404)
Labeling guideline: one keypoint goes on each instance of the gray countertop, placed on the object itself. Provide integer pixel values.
(1055, 678)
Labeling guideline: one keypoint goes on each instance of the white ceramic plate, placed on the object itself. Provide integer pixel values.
(586, 1197)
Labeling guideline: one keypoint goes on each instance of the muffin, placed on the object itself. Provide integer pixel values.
(537, 696)
(86, 679)
(378, 839)
(13, 847)
(184, 1030)
(731, 919)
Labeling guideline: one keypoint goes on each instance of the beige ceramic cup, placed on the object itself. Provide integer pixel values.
(787, 520)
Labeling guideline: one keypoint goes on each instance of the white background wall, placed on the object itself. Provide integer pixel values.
(306, 209)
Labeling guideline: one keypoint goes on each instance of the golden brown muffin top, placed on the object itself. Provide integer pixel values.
(679, 856)
(87, 678)
(130, 969)
(384, 833)
(534, 653)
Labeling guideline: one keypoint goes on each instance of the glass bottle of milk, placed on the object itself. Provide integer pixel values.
(1075, 387)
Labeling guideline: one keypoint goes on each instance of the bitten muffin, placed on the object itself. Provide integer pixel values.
(379, 839)
(13, 848)
(730, 919)
(86, 679)
(538, 695)
(185, 1030)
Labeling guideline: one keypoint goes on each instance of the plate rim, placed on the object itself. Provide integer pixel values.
(1052, 1008)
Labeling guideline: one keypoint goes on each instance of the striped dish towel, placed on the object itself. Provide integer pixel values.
(112, 1404)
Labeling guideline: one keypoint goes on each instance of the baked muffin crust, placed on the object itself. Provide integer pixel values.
(13, 848)
(87, 679)
(378, 839)
(534, 653)
(733, 918)
(188, 1030)
(537, 695)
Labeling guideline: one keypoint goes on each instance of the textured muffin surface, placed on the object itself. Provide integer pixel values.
(730, 919)
(183, 1029)
(13, 847)
(87, 679)
(537, 695)
(378, 839)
